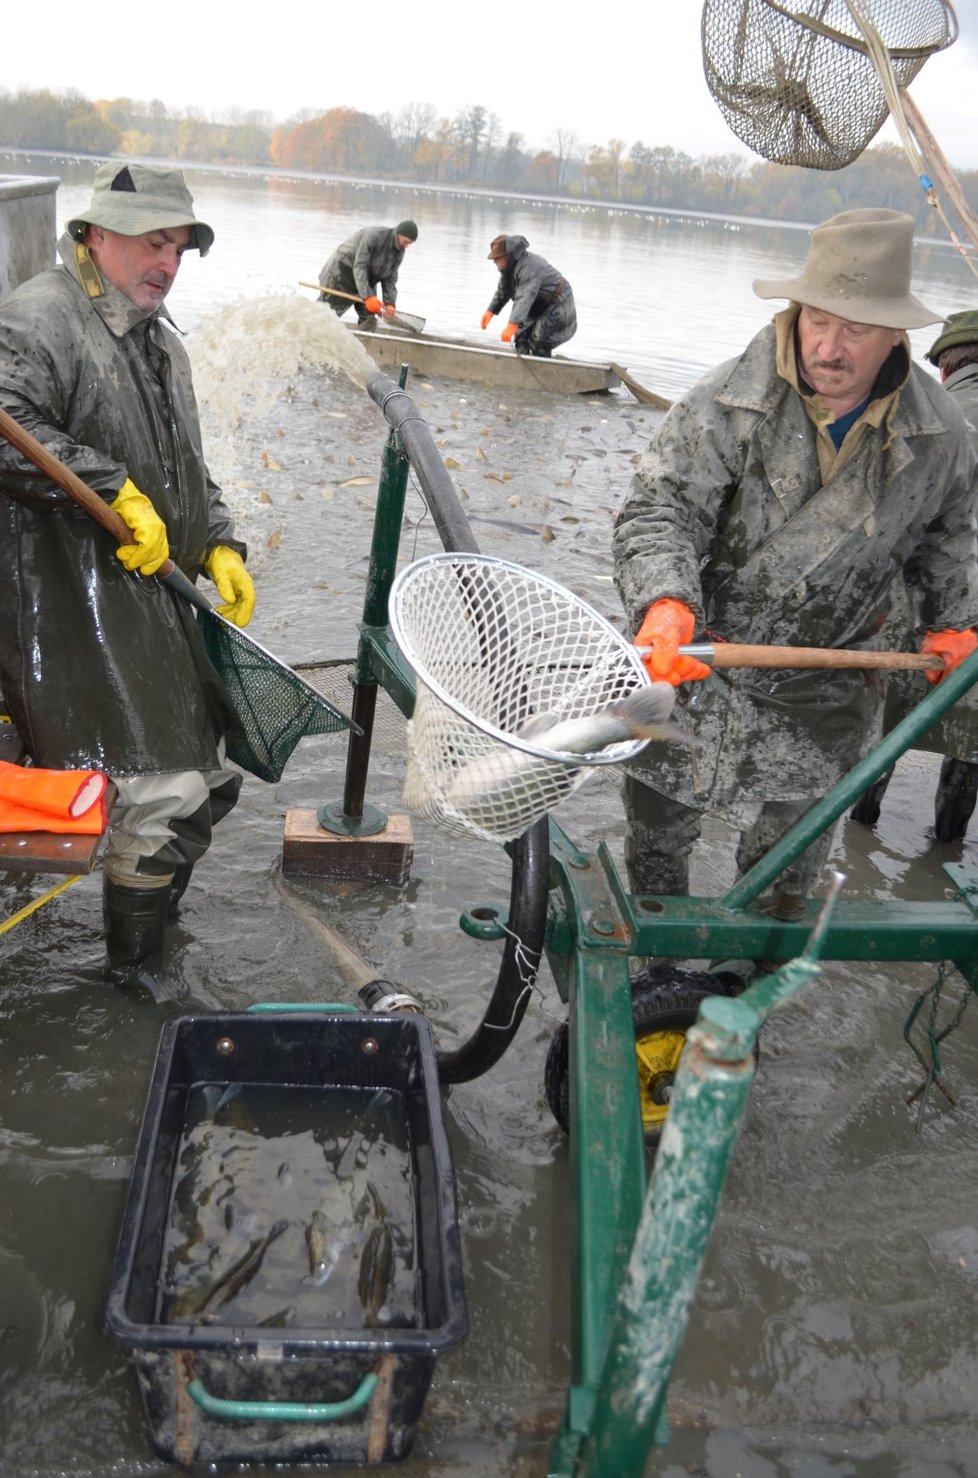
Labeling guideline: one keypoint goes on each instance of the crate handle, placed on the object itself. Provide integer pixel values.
(283, 1411)
(302, 1006)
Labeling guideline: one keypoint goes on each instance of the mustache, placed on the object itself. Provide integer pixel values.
(831, 364)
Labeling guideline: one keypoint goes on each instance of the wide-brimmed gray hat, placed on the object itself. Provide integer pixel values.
(858, 267)
(959, 328)
(135, 198)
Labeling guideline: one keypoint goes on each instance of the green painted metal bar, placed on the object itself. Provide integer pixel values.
(710, 1096)
(854, 782)
(387, 666)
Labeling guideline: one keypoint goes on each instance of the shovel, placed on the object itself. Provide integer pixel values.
(275, 707)
(410, 321)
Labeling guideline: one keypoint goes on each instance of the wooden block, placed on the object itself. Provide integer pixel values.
(308, 850)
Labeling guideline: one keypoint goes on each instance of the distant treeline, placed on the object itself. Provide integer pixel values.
(469, 149)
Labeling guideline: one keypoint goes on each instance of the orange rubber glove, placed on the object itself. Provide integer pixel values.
(373, 305)
(487, 318)
(509, 332)
(952, 645)
(668, 625)
(148, 548)
(389, 310)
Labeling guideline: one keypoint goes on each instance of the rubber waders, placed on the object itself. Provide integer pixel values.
(178, 886)
(135, 923)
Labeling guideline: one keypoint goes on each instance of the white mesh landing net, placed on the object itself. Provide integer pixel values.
(493, 646)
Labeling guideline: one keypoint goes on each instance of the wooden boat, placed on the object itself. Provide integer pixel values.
(456, 359)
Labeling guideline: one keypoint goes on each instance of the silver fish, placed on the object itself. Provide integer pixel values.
(324, 1246)
(208, 1296)
(376, 1272)
(644, 714)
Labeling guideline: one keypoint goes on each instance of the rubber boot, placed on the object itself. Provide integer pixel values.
(181, 879)
(954, 801)
(867, 808)
(135, 923)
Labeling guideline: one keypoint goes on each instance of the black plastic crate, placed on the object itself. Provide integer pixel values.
(373, 1380)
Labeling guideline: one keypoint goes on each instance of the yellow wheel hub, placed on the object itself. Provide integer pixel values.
(657, 1056)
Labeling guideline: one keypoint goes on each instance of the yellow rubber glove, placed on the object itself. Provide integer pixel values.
(509, 332)
(234, 585)
(149, 548)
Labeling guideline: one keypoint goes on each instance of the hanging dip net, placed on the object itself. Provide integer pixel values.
(495, 647)
(810, 83)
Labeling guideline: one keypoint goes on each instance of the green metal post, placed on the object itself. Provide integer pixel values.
(710, 1096)
(350, 817)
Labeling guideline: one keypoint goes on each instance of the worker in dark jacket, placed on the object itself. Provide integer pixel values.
(543, 314)
(101, 665)
(370, 259)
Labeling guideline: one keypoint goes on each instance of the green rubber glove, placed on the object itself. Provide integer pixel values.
(149, 547)
(234, 585)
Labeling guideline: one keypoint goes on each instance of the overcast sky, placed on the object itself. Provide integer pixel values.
(631, 72)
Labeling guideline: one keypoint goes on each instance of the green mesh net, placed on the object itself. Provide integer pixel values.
(275, 707)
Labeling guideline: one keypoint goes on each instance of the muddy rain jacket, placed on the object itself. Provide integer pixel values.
(537, 291)
(728, 513)
(371, 256)
(100, 668)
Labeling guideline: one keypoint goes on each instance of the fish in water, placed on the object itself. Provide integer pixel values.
(324, 1245)
(376, 1272)
(209, 1296)
(644, 714)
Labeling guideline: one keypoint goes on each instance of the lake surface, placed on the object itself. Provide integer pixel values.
(834, 1328)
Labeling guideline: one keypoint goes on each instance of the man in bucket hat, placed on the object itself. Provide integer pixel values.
(544, 313)
(102, 666)
(784, 500)
(955, 736)
(369, 260)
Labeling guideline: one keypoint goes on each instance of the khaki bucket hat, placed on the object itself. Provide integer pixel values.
(960, 328)
(858, 267)
(497, 248)
(135, 198)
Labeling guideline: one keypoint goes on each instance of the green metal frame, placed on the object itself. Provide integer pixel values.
(638, 1243)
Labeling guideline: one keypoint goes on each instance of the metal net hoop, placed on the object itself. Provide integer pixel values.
(492, 646)
(800, 83)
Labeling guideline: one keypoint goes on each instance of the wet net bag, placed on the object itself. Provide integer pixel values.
(275, 707)
(797, 82)
(495, 647)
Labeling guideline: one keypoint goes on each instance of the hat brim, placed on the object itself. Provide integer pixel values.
(139, 219)
(903, 313)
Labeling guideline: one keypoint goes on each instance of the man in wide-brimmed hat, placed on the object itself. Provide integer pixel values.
(783, 501)
(365, 268)
(101, 666)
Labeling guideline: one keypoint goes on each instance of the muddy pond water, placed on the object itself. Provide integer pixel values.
(834, 1331)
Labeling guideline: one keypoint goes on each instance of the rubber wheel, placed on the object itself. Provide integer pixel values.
(665, 1003)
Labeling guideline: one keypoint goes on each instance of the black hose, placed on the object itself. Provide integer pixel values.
(531, 852)
(453, 527)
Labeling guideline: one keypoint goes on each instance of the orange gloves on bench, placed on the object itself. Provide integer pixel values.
(70, 801)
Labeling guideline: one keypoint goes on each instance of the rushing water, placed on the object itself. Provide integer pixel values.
(834, 1329)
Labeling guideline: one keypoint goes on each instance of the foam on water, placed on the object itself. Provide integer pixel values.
(255, 347)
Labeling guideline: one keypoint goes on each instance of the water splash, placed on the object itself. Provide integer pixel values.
(252, 349)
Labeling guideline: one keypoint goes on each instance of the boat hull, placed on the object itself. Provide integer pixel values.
(454, 359)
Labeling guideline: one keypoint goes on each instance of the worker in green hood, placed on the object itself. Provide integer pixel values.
(102, 666)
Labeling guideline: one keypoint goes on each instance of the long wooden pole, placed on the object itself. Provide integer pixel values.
(931, 149)
(736, 654)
